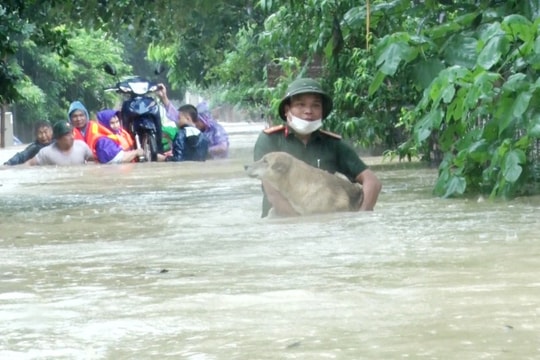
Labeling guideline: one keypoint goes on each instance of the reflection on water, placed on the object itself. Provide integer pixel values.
(157, 261)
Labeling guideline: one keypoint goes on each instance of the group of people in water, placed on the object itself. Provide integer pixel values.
(190, 134)
(195, 136)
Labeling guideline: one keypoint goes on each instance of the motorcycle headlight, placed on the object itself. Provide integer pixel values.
(139, 88)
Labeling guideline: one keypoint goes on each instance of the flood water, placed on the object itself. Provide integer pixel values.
(172, 261)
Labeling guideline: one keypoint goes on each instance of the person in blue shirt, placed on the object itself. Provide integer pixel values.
(189, 144)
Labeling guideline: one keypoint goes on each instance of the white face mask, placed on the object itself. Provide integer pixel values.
(304, 127)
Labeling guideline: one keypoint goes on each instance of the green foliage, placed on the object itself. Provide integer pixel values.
(53, 82)
(267, 55)
(482, 108)
(12, 31)
(197, 45)
(44, 23)
(369, 121)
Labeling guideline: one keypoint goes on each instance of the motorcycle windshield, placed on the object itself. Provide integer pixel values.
(139, 87)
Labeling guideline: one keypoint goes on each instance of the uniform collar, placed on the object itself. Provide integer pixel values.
(314, 135)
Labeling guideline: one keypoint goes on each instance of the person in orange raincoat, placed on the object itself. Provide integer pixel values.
(118, 146)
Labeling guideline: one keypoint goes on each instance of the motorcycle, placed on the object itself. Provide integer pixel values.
(140, 113)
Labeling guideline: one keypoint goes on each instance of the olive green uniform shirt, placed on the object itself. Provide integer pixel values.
(324, 150)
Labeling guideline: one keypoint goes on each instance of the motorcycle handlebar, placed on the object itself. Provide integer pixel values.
(153, 87)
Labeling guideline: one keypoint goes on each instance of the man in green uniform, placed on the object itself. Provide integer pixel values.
(303, 108)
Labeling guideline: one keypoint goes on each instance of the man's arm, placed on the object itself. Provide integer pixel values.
(172, 113)
(129, 155)
(88, 154)
(371, 187)
(22, 157)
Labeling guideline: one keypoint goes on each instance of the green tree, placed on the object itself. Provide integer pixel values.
(325, 39)
(51, 82)
(31, 28)
(202, 35)
(480, 104)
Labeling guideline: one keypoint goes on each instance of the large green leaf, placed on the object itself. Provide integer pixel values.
(443, 87)
(521, 104)
(503, 114)
(519, 27)
(424, 127)
(392, 55)
(515, 82)
(455, 73)
(376, 83)
(494, 44)
(478, 150)
(444, 30)
(425, 71)
(534, 126)
(492, 51)
(456, 186)
(483, 84)
(455, 109)
(444, 175)
(448, 93)
(511, 166)
(490, 132)
(356, 16)
(461, 50)
(447, 139)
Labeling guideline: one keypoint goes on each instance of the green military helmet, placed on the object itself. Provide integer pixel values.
(305, 86)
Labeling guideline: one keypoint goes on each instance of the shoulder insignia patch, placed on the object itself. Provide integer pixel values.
(331, 134)
(274, 129)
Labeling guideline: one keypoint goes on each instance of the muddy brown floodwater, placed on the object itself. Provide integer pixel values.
(172, 261)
